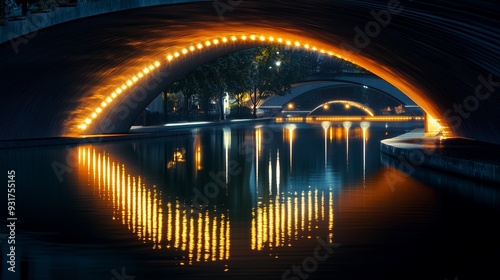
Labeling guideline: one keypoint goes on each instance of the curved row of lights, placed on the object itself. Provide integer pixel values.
(118, 91)
(186, 50)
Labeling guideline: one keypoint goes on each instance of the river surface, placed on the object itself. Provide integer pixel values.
(272, 201)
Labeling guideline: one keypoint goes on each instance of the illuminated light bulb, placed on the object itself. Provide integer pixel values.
(145, 70)
(191, 48)
(215, 41)
(314, 48)
(124, 87)
(252, 37)
(322, 51)
(199, 46)
(103, 104)
(108, 99)
(151, 67)
(135, 79)
(83, 126)
(176, 54)
(288, 42)
(88, 121)
(306, 46)
(280, 40)
(262, 38)
(224, 40)
(184, 51)
(98, 110)
(118, 90)
(157, 63)
(271, 39)
(233, 38)
(140, 75)
(129, 83)
(94, 115)
(243, 37)
(207, 43)
(330, 53)
(113, 95)
(297, 44)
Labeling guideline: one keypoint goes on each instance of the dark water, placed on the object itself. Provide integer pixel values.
(246, 202)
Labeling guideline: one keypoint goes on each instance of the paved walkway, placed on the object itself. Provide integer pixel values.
(465, 157)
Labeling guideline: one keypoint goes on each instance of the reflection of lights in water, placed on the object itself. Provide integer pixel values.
(227, 145)
(278, 171)
(347, 125)
(178, 156)
(364, 127)
(203, 236)
(325, 126)
(291, 128)
(279, 221)
(270, 173)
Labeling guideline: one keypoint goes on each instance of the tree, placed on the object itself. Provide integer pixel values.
(274, 69)
(188, 86)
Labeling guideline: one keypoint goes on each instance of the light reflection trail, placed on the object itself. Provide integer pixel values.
(280, 220)
(203, 236)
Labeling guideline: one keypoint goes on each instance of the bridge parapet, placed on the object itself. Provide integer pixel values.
(22, 29)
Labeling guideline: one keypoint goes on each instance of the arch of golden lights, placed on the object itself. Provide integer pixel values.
(96, 75)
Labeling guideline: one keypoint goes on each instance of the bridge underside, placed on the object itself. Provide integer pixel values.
(444, 56)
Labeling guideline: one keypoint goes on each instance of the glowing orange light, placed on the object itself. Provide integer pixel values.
(140, 75)
(191, 48)
(113, 95)
(233, 38)
(199, 46)
(297, 44)
(118, 90)
(157, 63)
(169, 57)
(224, 39)
(243, 37)
(124, 87)
(215, 41)
(88, 121)
(262, 38)
(252, 37)
(271, 39)
(103, 104)
(108, 99)
(98, 110)
(184, 51)
(135, 79)
(207, 43)
(83, 126)
(151, 67)
(129, 82)
(145, 70)
(94, 115)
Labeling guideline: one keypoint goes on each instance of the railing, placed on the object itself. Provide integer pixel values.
(16, 22)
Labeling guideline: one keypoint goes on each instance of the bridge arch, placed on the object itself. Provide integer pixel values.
(102, 56)
(369, 111)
